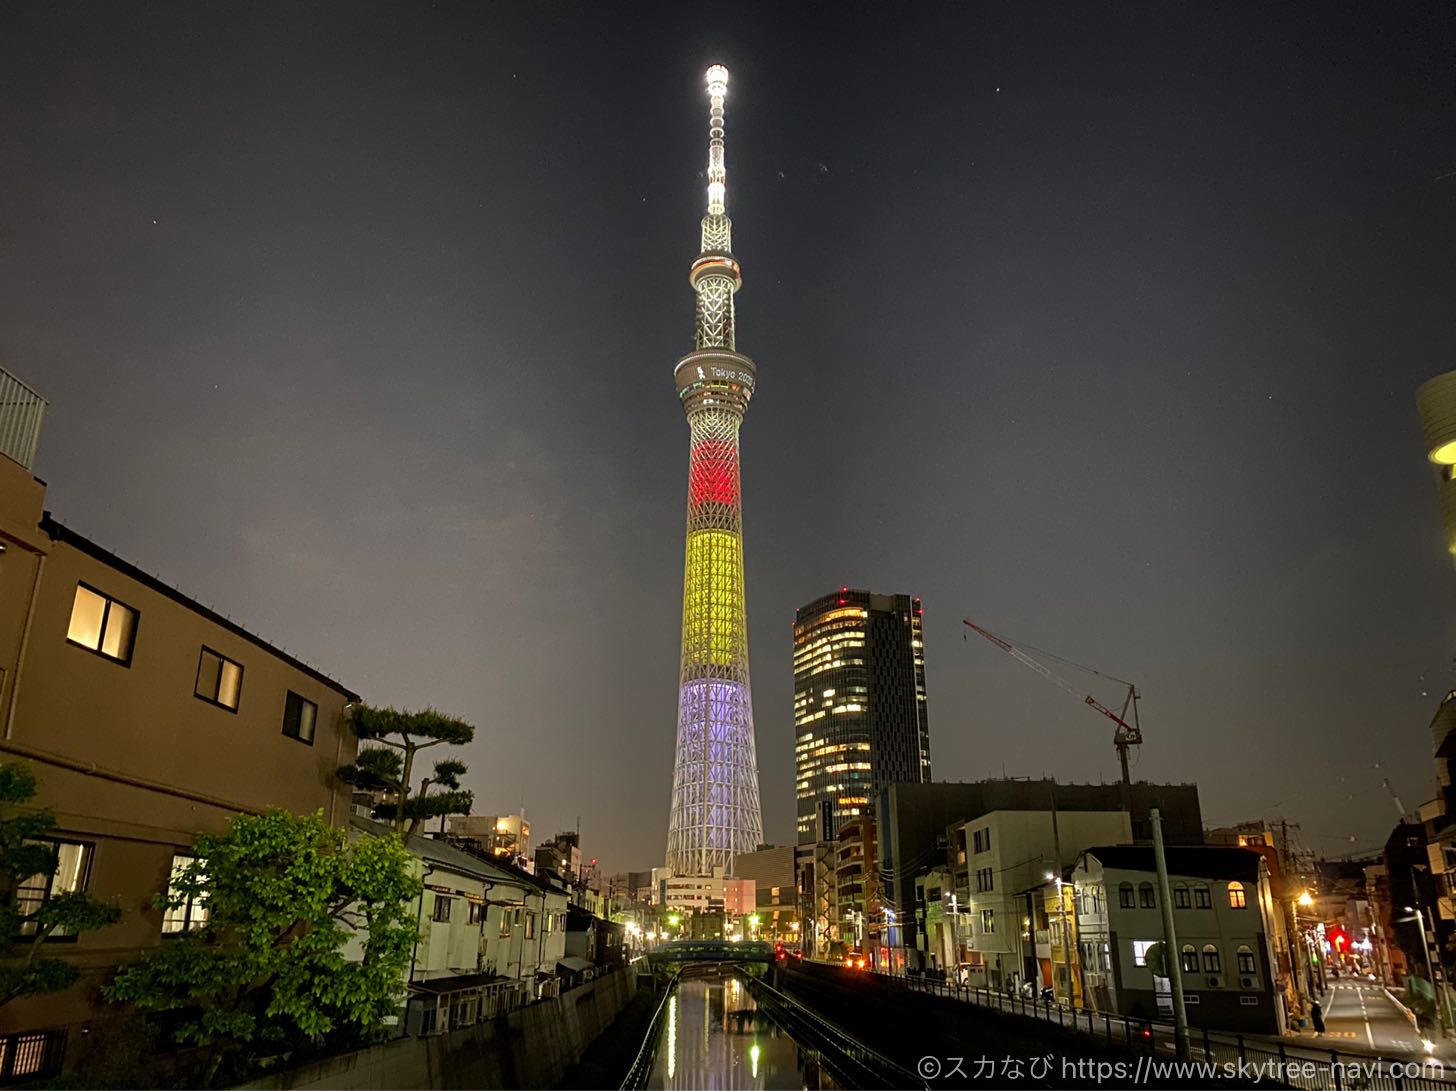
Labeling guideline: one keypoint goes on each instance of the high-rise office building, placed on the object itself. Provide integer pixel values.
(715, 809)
(859, 703)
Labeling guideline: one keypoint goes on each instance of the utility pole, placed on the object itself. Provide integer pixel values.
(1443, 1003)
(1172, 957)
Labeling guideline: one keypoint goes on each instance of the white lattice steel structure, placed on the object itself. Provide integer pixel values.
(715, 807)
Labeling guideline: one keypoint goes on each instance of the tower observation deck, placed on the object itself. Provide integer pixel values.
(715, 806)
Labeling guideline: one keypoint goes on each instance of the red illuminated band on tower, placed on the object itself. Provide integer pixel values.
(713, 473)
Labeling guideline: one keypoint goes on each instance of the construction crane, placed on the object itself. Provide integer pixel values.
(1126, 735)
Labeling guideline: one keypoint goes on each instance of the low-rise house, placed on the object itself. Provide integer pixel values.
(148, 718)
(1222, 913)
(490, 935)
(939, 930)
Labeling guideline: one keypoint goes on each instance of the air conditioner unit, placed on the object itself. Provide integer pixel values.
(1246, 982)
(1214, 982)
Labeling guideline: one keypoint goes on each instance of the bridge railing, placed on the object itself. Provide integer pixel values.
(1297, 1065)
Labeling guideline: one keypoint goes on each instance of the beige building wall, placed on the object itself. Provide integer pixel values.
(129, 759)
(1009, 853)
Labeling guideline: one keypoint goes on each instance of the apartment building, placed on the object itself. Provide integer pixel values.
(148, 718)
(915, 822)
(507, 835)
(771, 869)
(1224, 917)
(998, 860)
(716, 893)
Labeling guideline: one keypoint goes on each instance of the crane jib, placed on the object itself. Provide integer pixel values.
(1126, 735)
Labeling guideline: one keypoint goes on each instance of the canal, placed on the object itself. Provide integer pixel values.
(715, 1037)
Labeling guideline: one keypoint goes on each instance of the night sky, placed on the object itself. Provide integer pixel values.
(1100, 325)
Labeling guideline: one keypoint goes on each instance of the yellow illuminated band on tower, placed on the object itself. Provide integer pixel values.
(713, 622)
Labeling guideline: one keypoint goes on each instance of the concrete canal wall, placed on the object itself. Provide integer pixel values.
(528, 1048)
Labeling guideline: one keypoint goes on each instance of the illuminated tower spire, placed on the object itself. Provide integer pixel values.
(715, 809)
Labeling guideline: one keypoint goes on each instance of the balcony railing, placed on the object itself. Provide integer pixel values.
(21, 410)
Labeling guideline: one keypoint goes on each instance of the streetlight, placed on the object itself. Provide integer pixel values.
(1313, 959)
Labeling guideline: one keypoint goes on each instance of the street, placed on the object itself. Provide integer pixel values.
(1359, 1014)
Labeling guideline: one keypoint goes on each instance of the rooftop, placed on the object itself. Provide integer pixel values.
(456, 859)
(1198, 861)
(59, 532)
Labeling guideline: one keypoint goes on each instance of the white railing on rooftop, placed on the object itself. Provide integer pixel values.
(21, 410)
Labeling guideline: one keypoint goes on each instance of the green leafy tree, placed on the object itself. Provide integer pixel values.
(24, 853)
(284, 895)
(388, 768)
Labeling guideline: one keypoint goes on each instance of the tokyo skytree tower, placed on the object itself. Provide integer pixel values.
(715, 810)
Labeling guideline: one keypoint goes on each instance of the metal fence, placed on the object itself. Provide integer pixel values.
(1211, 1053)
(642, 1065)
(21, 410)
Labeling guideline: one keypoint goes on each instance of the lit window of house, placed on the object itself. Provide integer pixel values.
(1236, 895)
(1246, 959)
(299, 715)
(219, 680)
(102, 624)
(73, 867)
(183, 914)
